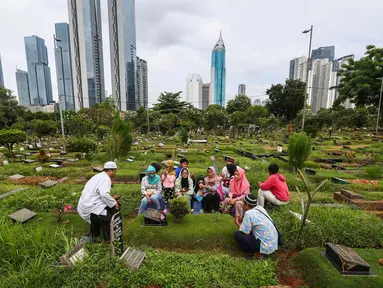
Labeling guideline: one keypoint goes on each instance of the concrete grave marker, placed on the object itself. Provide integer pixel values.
(76, 254)
(21, 149)
(39, 169)
(22, 215)
(28, 161)
(72, 160)
(30, 147)
(279, 149)
(38, 145)
(55, 166)
(47, 184)
(16, 177)
(51, 149)
(12, 192)
(133, 257)
(129, 160)
(5, 162)
(212, 157)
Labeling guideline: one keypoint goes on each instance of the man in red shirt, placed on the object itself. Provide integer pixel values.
(274, 189)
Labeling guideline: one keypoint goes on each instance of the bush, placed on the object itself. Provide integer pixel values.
(83, 145)
(10, 137)
(42, 156)
(299, 150)
(184, 135)
(178, 208)
(374, 172)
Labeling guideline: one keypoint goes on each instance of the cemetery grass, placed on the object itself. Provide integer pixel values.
(194, 233)
(319, 273)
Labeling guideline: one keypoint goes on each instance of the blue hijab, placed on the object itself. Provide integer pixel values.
(152, 179)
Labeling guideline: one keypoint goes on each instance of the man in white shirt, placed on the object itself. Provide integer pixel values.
(96, 206)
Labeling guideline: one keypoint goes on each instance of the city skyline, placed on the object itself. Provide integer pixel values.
(175, 51)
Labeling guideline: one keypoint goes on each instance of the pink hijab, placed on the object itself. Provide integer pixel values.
(213, 179)
(239, 186)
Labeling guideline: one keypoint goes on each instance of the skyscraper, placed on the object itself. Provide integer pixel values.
(327, 52)
(85, 33)
(205, 95)
(194, 90)
(322, 80)
(64, 66)
(298, 69)
(218, 73)
(122, 38)
(23, 87)
(1, 74)
(142, 82)
(39, 73)
(242, 89)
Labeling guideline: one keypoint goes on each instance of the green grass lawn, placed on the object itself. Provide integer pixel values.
(319, 273)
(195, 232)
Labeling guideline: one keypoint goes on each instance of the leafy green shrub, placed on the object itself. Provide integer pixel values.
(121, 137)
(42, 156)
(374, 172)
(184, 135)
(84, 145)
(9, 137)
(178, 208)
(299, 150)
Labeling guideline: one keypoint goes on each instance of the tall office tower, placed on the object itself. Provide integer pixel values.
(338, 63)
(64, 66)
(1, 74)
(327, 52)
(257, 102)
(321, 82)
(39, 73)
(122, 38)
(218, 74)
(85, 33)
(205, 95)
(142, 82)
(194, 90)
(242, 89)
(23, 87)
(298, 69)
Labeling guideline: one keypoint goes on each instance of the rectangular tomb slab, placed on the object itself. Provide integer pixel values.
(12, 192)
(55, 166)
(133, 257)
(16, 177)
(28, 161)
(351, 195)
(47, 184)
(346, 260)
(76, 254)
(22, 215)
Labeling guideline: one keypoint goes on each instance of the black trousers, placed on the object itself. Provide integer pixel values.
(247, 242)
(100, 224)
(211, 202)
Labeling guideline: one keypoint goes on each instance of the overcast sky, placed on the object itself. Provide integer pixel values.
(176, 37)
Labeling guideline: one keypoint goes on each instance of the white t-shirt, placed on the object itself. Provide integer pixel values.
(96, 197)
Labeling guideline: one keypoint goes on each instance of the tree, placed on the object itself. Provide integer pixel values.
(44, 128)
(237, 118)
(9, 137)
(121, 137)
(239, 103)
(257, 114)
(191, 117)
(299, 149)
(10, 112)
(215, 115)
(361, 79)
(170, 103)
(184, 135)
(287, 100)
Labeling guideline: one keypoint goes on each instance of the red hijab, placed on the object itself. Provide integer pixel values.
(239, 186)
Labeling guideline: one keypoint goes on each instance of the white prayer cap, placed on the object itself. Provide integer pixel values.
(110, 165)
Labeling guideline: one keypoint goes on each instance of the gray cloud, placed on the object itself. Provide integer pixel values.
(176, 36)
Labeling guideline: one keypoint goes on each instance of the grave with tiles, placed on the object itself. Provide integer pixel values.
(22, 215)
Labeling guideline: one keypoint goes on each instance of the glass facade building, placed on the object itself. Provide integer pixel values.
(142, 82)
(218, 74)
(327, 52)
(123, 54)
(241, 89)
(39, 73)
(85, 32)
(23, 87)
(64, 66)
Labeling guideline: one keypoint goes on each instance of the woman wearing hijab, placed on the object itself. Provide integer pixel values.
(211, 196)
(199, 192)
(227, 175)
(150, 189)
(184, 186)
(239, 188)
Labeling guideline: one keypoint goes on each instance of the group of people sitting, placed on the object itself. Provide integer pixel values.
(221, 193)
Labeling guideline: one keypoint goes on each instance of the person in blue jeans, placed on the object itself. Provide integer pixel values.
(151, 189)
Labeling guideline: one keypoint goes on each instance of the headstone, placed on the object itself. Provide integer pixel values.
(76, 254)
(5, 162)
(216, 150)
(21, 149)
(161, 144)
(212, 158)
(16, 177)
(153, 217)
(133, 257)
(129, 160)
(310, 171)
(39, 169)
(55, 166)
(38, 145)
(116, 239)
(12, 192)
(47, 184)
(28, 161)
(279, 149)
(97, 169)
(337, 180)
(22, 215)
(62, 153)
(346, 260)
(30, 147)
(51, 149)
(72, 160)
